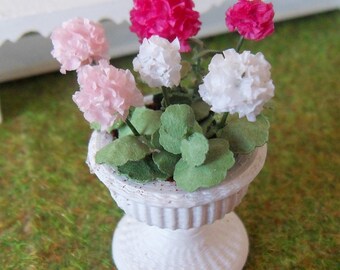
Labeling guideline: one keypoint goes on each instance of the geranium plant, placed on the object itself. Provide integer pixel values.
(201, 118)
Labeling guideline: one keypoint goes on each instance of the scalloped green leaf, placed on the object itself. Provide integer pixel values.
(245, 136)
(144, 170)
(145, 120)
(95, 126)
(176, 122)
(177, 119)
(165, 161)
(170, 143)
(154, 140)
(213, 171)
(194, 149)
(180, 98)
(122, 150)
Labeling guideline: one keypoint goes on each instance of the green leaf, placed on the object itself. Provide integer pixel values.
(117, 125)
(154, 141)
(165, 161)
(176, 122)
(170, 143)
(122, 150)
(145, 120)
(201, 110)
(95, 126)
(213, 171)
(245, 136)
(196, 128)
(194, 149)
(180, 98)
(144, 170)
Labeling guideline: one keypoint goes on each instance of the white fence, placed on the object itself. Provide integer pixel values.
(24, 52)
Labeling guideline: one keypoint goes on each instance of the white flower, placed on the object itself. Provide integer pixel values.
(158, 62)
(238, 83)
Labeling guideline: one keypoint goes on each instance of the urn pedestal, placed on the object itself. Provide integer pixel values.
(166, 228)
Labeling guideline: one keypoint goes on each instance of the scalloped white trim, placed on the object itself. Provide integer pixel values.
(19, 17)
(44, 21)
(16, 62)
(11, 9)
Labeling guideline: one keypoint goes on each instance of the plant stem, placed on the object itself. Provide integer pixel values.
(133, 129)
(205, 53)
(197, 42)
(166, 96)
(223, 120)
(239, 44)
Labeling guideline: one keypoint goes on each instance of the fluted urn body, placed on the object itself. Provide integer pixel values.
(166, 228)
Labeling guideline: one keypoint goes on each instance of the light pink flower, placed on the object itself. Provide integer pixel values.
(77, 42)
(106, 94)
(253, 19)
(166, 18)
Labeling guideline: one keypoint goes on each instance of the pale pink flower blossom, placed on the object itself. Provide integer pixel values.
(78, 42)
(106, 94)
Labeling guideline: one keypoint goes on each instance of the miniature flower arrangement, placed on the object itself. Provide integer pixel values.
(200, 119)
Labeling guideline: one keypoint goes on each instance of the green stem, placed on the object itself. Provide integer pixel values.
(205, 53)
(239, 44)
(166, 96)
(133, 129)
(197, 42)
(221, 124)
(196, 67)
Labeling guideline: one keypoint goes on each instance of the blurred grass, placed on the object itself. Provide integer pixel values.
(56, 215)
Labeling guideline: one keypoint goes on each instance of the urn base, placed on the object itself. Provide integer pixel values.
(218, 246)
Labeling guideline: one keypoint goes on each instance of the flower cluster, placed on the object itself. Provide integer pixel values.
(106, 94)
(179, 135)
(253, 19)
(78, 42)
(159, 62)
(237, 83)
(169, 19)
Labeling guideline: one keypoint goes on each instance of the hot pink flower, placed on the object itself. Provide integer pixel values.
(166, 18)
(106, 94)
(77, 42)
(253, 19)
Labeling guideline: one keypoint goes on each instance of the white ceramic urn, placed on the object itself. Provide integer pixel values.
(166, 228)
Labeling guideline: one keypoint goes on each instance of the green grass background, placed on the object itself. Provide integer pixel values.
(55, 215)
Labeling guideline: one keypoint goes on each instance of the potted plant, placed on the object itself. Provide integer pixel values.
(180, 162)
